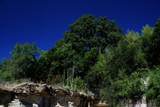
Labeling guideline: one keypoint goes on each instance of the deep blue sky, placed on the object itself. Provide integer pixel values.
(45, 21)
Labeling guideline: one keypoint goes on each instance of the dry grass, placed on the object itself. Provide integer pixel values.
(4, 83)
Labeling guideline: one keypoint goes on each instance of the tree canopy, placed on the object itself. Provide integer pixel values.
(94, 55)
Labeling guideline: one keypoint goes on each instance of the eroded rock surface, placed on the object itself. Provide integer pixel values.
(6, 95)
(37, 95)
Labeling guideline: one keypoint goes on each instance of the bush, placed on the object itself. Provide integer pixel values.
(79, 84)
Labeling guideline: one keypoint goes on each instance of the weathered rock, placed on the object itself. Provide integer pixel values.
(15, 103)
(36, 95)
(6, 96)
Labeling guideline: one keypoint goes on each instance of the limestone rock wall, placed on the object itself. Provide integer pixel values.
(37, 95)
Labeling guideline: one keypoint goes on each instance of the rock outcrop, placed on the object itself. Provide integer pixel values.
(37, 95)
(6, 96)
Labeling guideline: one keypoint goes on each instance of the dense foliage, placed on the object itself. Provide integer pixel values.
(94, 55)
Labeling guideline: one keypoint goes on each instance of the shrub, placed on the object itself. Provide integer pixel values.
(79, 84)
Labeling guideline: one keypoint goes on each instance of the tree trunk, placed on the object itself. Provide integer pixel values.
(67, 78)
(72, 76)
(64, 77)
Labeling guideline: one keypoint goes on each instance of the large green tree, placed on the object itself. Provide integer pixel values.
(61, 60)
(124, 67)
(24, 59)
(90, 36)
(155, 44)
(151, 42)
(88, 32)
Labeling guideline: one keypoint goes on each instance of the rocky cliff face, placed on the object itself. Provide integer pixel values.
(37, 95)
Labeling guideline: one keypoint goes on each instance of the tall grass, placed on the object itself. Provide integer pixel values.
(12, 83)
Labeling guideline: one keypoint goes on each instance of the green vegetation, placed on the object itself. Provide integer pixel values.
(153, 90)
(94, 54)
